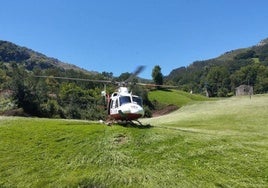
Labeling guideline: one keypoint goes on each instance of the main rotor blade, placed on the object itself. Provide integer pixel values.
(135, 73)
(157, 85)
(76, 79)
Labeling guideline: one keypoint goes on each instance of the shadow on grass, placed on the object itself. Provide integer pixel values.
(71, 122)
(137, 125)
(126, 124)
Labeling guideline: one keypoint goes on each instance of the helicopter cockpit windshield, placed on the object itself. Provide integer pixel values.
(127, 99)
(137, 100)
(124, 100)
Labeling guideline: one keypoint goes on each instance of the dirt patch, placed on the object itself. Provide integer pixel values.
(120, 139)
(15, 112)
(168, 109)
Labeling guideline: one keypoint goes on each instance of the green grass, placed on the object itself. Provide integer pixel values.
(221, 143)
(175, 97)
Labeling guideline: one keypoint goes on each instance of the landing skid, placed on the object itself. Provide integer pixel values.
(129, 122)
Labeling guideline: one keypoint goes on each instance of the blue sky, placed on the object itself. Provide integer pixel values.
(118, 35)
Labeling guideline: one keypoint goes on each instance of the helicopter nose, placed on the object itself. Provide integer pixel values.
(136, 109)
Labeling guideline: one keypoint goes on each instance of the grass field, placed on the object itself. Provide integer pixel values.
(175, 97)
(221, 143)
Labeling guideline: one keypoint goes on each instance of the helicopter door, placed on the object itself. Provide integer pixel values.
(110, 106)
(114, 106)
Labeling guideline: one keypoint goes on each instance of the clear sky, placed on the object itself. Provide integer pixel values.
(118, 35)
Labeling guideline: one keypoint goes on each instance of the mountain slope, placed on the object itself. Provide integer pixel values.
(220, 76)
(33, 96)
(10, 52)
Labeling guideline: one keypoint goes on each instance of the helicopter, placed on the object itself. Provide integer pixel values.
(122, 105)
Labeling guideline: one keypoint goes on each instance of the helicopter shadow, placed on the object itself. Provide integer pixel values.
(137, 125)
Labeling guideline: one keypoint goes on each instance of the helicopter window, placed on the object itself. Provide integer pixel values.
(116, 103)
(124, 100)
(137, 100)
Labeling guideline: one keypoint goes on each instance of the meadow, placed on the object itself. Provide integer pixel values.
(175, 97)
(219, 143)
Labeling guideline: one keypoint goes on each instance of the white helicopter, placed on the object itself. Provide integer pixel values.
(122, 105)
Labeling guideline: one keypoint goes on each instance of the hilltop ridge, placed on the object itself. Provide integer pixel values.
(263, 42)
(30, 59)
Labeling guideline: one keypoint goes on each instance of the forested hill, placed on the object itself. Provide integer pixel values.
(24, 92)
(12, 53)
(220, 76)
(21, 92)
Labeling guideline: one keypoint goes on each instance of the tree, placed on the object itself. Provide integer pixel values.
(23, 95)
(108, 75)
(157, 75)
(124, 76)
(245, 55)
(218, 81)
(2, 78)
(261, 85)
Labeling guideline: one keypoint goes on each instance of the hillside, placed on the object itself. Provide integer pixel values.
(167, 101)
(52, 97)
(22, 93)
(219, 143)
(175, 97)
(220, 76)
(10, 52)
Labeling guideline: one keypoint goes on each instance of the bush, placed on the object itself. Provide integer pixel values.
(147, 112)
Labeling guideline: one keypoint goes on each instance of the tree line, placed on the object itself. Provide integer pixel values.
(55, 98)
(50, 97)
